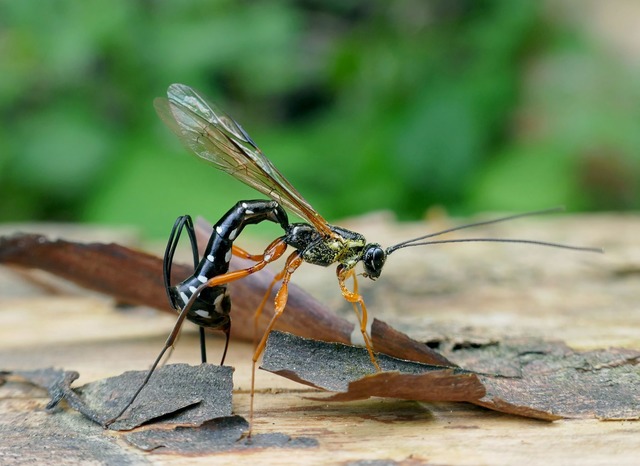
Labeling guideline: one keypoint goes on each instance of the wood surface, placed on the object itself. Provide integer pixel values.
(448, 292)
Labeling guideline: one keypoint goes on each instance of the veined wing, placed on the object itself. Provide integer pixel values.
(215, 137)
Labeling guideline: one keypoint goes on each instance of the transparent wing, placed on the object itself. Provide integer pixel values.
(215, 137)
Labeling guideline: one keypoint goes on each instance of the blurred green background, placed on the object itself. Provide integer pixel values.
(364, 105)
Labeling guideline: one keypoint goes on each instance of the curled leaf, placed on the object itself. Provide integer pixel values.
(135, 277)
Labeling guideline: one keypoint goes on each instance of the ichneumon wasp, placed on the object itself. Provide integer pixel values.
(216, 138)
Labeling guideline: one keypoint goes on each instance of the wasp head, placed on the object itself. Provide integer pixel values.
(373, 258)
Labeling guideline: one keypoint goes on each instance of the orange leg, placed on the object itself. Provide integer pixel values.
(260, 308)
(358, 306)
(293, 262)
(237, 251)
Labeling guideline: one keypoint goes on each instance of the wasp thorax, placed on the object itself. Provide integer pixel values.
(373, 259)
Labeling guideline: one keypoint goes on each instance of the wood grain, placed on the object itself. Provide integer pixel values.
(442, 295)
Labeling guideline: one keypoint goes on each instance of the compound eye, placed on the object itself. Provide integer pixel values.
(373, 261)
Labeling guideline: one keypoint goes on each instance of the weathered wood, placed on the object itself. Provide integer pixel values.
(450, 296)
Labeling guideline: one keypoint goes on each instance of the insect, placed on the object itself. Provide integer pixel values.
(208, 307)
(216, 138)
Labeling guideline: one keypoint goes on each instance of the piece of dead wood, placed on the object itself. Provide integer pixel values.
(348, 371)
(37, 438)
(390, 341)
(223, 434)
(135, 277)
(176, 394)
(544, 380)
(57, 382)
(551, 377)
(551, 382)
(184, 409)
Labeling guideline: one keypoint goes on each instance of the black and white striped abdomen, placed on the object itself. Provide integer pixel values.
(212, 306)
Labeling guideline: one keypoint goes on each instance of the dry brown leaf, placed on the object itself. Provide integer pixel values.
(135, 277)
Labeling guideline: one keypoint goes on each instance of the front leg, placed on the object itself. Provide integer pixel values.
(359, 307)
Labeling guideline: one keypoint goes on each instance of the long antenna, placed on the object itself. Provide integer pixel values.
(418, 241)
(500, 240)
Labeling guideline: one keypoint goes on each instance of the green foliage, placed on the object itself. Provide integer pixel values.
(362, 104)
